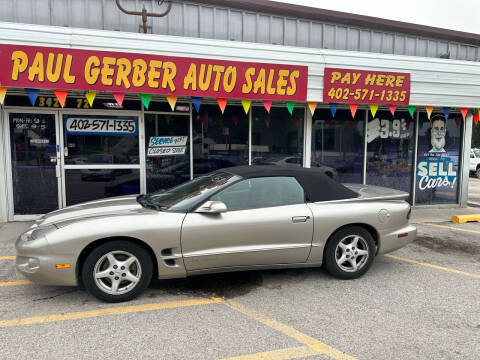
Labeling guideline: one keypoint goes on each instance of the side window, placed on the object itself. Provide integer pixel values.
(261, 192)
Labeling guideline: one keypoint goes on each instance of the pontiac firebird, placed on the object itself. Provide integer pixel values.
(239, 218)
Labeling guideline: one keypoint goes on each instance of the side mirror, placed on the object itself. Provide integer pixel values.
(212, 207)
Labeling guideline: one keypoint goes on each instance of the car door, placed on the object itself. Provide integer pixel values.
(266, 222)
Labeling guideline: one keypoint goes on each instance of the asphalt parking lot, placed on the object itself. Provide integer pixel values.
(421, 302)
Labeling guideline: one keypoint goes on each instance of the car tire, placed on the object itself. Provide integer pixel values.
(477, 173)
(117, 271)
(341, 252)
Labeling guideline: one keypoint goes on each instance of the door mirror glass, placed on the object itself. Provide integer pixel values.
(212, 207)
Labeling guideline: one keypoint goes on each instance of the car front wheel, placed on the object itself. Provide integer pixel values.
(349, 252)
(117, 271)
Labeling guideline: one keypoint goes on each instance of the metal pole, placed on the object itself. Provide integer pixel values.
(144, 13)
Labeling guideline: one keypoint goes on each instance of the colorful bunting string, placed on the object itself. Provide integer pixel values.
(464, 112)
(333, 108)
(3, 92)
(146, 98)
(373, 109)
(61, 96)
(353, 109)
(411, 110)
(312, 105)
(392, 109)
(475, 118)
(268, 105)
(290, 106)
(32, 95)
(197, 101)
(446, 112)
(222, 102)
(90, 97)
(246, 105)
(119, 96)
(172, 100)
(429, 111)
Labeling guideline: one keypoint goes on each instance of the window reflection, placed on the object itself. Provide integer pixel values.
(337, 144)
(219, 140)
(165, 170)
(277, 138)
(87, 185)
(390, 150)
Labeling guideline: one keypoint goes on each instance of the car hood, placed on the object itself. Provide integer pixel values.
(105, 207)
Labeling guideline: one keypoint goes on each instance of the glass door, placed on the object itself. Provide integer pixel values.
(34, 163)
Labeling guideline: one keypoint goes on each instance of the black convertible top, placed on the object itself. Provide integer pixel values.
(317, 185)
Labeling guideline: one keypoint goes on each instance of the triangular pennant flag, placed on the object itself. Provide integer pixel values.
(429, 111)
(3, 92)
(197, 101)
(290, 106)
(119, 96)
(146, 99)
(411, 110)
(446, 112)
(222, 102)
(475, 118)
(464, 112)
(373, 109)
(392, 109)
(333, 108)
(246, 105)
(353, 109)
(32, 95)
(312, 105)
(268, 105)
(90, 97)
(172, 100)
(61, 96)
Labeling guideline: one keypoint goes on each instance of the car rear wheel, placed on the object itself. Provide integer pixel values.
(117, 271)
(349, 252)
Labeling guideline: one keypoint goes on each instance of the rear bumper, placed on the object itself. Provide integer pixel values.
(391, 240)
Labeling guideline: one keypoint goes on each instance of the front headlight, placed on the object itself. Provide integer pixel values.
(39, 232)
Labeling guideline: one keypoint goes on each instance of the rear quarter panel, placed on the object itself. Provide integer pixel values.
(331, 216)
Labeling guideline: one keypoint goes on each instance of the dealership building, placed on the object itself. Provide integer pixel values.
(93, 107)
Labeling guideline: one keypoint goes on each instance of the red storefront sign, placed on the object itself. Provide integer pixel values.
(366, 87)
(65, 68)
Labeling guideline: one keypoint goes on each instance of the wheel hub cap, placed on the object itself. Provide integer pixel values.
(352, 253)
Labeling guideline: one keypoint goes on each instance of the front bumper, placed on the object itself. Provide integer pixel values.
(38, 263)
(390, 241)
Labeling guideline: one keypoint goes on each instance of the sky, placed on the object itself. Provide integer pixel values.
(460, 15)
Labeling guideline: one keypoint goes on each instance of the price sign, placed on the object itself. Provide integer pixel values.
(100, 126)
(382, 128)
(366, 87)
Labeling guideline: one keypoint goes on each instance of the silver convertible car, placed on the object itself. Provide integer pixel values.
(241, 218)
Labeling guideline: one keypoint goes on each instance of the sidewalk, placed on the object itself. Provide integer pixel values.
(437, 215)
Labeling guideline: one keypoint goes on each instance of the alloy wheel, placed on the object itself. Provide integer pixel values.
(351, 253)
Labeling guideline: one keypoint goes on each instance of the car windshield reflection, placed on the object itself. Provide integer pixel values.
(184, 196)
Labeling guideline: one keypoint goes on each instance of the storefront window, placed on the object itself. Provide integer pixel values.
(219, 141)
(337, 144)
(167, 150)
(277, 138)
(34, 158)
(438, 159)
(390, 143)
(92, 184)
(91, 139)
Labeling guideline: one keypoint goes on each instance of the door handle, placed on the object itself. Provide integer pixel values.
(300, 219)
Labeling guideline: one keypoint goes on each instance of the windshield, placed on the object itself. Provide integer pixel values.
(184, 196)
(477, 152)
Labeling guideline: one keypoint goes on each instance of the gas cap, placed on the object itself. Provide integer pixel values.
(383, 216)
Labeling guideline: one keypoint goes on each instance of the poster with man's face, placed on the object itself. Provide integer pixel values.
(438, 151)
(437, 133)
